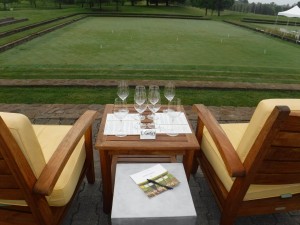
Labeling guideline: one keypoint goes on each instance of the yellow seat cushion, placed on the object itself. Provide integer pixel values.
(236, 134)
(259, 117)
(49, 137)
(23, 132)
(45, 139)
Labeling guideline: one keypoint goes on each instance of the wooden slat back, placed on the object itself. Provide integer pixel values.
(9, 188)
(292, 123)
(8, 181)
(281, 164)
(284, 154)
(11, 194)
(4, 170)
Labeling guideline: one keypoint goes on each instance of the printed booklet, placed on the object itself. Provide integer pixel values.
(155, 180)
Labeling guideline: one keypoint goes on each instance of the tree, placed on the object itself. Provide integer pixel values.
(298, 4)
(205, 4)
(5, 2)
(218, 5)
(223, 4)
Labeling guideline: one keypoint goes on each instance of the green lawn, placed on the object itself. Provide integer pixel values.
(103, 95)
(144, 48)
(148, 48)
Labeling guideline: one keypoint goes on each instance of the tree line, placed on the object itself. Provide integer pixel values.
(259, 8)
(240, 6)
(209, 5)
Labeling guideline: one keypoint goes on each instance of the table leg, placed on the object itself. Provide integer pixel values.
(188, 162)
(105, 163)
(195, 164)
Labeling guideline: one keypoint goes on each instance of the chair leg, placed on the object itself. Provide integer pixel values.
(195, 164)
(227, 219)
(90, 173)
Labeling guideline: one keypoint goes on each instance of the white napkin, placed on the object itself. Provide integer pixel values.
(130, 124)
(164, 124)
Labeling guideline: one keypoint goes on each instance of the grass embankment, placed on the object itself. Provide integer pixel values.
(104, 95)
(138, 48)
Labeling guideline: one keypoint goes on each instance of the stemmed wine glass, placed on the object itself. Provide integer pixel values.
(169, 91)
(123, 90)
(140, 108)
(120, 112)
(154, 109)
(153, 97)
(174, 110)
(140, 97)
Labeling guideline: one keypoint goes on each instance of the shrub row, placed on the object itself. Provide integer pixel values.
(107, 14)
(273, 34)
(31, 26)
(264, 21)
(11, 20)
(35, 35)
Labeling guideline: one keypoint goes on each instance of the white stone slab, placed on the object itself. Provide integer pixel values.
(132, 206)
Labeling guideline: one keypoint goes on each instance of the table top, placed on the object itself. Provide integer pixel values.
(133, 142)
(136, 204)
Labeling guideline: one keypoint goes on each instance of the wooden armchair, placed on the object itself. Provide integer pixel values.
(253, 168)
(41, 166)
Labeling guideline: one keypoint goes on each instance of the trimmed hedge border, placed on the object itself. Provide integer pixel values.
(107, 14)
(263, 32)
(6, 19)
(37, 34)
(264, 21)
(11, 20)
(17, 30)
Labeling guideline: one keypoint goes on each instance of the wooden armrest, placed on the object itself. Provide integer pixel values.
(50, 174)
(231, 159)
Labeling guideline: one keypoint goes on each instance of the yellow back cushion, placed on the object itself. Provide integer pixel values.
(22, 130)
(261, 114)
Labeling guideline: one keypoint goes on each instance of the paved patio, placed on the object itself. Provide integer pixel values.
(87, 206)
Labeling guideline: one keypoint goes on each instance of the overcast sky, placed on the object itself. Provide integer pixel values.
(277, 2)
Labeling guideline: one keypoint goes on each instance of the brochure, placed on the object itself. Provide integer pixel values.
(155, 180)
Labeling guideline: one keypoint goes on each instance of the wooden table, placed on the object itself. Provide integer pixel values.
(108, 146)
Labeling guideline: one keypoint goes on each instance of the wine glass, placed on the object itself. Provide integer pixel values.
(154, 94)
(153, 97)
(174, 110)
(169, 90)
(123, 90)
(140, 95)
(140, 99)
(120, 112)
(154, 109)
(140, 108)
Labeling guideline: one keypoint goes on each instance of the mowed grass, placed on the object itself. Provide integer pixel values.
(147, 48)
(106, 95)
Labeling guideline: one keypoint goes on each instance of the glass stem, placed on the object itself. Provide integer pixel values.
(121, 128)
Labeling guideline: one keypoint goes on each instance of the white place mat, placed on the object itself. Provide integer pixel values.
(162, 124)
(129, 123)
(180, 124)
